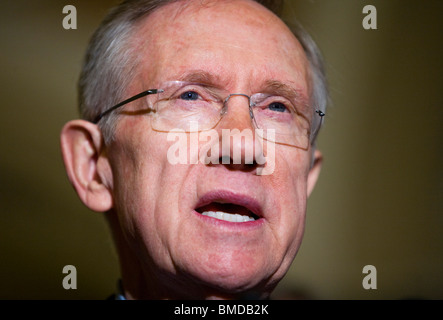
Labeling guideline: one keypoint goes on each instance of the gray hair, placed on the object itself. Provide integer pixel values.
(110, 62)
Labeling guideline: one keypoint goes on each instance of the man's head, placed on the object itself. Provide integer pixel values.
(170, 220)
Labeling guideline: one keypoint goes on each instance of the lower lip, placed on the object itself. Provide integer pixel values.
(228, 225)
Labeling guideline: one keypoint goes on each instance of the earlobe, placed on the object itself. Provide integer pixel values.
(314, 171)
(87, 168)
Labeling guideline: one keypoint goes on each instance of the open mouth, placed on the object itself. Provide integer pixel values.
(227, 212)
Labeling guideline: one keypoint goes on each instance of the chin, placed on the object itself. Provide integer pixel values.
(235, 278)
(250, 286)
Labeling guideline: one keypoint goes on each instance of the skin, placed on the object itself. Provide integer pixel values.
(166, 249)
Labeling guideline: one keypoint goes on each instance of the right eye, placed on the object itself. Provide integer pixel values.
(189, 95)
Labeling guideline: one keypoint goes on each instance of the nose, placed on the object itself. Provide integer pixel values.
(225, 105)
(241, 149)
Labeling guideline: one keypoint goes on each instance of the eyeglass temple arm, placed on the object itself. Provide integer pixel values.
(138, 96)
(322, 115)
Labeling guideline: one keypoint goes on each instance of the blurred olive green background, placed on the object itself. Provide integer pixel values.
(378, 201)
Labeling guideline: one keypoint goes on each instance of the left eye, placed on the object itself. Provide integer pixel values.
(277, 107)
(189, 95)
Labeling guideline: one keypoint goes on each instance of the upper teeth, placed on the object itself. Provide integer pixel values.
(227, 216)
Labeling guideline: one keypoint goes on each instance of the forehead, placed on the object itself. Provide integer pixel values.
(233, 40)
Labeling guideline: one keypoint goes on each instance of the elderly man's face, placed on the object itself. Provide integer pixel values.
(239, 46)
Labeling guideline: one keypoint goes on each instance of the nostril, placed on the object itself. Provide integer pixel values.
(225, 160)
(250, 161)
(244, 165)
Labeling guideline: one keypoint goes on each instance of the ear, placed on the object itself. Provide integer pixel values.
(86, 164)
(314, 172)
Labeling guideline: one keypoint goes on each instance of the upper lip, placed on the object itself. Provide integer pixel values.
(224, 196)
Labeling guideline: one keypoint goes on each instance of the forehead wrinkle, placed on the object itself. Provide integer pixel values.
(174, 24)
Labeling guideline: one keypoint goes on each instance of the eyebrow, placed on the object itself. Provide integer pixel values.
(285, 90)
(200, 76)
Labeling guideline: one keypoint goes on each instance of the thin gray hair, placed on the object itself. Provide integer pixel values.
(110, 62)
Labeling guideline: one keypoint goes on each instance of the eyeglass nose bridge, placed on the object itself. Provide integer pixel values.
(224, 110)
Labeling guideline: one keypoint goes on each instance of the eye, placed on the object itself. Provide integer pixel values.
(278, 107)
(189, 95)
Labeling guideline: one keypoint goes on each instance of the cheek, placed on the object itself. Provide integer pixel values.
(291, 195)
(290, 185)
(291, 173)
(148, 192)
(140, 175)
